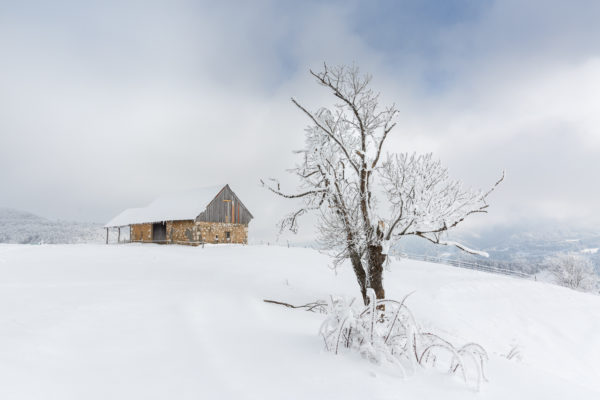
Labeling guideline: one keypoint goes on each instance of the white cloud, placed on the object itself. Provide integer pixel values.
(104, 108)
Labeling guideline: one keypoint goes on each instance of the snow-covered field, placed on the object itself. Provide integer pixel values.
(175, 322)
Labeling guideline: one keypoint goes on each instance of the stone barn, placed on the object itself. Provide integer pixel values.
(205, 215)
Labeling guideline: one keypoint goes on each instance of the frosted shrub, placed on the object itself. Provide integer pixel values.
(573, 271)
(385, 331)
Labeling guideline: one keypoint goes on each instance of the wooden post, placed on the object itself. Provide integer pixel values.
(106, 235)
(119, 235)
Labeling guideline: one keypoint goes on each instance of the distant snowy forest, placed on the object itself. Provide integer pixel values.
(26, 228)
(525, 249)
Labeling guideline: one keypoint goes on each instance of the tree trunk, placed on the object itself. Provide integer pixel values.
(361, 276)
(376, 260)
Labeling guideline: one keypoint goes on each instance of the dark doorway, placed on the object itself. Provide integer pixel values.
(159, 232)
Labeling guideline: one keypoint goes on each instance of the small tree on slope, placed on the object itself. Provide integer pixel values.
(573, 271)
(367, 199)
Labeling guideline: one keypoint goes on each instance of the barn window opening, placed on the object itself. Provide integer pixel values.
(228, 236)
(217, 238)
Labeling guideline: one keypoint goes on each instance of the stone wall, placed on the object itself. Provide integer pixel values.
(180, 231)
(216, 232)
(141, 232)
(183, 232)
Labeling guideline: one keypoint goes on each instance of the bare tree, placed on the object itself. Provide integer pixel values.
(367, 199)
(573, 271)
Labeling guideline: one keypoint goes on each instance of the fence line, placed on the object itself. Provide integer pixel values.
(418, 257)
(464, 264)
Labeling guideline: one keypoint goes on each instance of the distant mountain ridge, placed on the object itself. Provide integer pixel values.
(23, 227)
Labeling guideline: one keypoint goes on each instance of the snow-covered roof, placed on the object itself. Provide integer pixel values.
(172, 207)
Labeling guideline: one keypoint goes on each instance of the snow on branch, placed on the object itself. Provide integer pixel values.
(290, 196)
(463, 247)
(425, 202)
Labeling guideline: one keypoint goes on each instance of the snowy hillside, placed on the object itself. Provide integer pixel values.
(26, 228)
(175, 322)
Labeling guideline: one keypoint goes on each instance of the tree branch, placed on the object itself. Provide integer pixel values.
(330, 134)
(292, 196)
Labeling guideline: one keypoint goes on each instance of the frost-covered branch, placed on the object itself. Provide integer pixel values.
(328, 132)
(425, 202)
(461, 246)
(291, 196)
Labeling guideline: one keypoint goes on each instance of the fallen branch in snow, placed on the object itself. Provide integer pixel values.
(316, 306)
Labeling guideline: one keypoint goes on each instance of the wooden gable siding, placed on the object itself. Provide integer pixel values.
(220, 209)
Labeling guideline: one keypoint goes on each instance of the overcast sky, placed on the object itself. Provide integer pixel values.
(104, 107)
